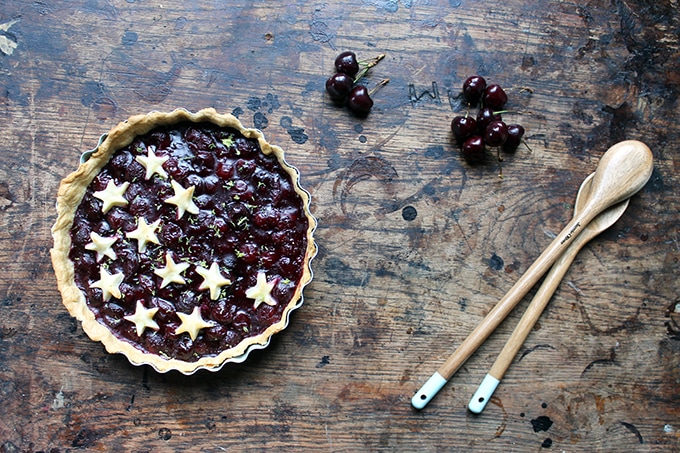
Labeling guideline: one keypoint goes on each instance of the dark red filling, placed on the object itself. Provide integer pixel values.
(250, 220)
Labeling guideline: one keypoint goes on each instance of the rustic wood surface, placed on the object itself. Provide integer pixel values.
(415, 245)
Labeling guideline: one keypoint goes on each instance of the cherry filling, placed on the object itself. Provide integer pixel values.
(246, 219)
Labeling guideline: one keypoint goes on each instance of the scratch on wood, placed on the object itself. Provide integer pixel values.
(535, 348)
(573, 286)
(415, 97)
(633, 430)
(631, 324)
(608, 361)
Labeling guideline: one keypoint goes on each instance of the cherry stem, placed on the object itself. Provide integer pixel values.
(499, 160)
(373, 61)
(368, 66)
(382, 83)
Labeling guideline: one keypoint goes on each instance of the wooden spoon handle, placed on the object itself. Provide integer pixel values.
(509, 301)
(493, 319)
(519, 335)
(536, 307)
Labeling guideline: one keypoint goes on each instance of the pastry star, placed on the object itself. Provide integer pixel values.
(144, 233)
(102, 246)
(108, 284)
(213, 279)
(262, 291)
(171, 272)
(182, 199)
(153, 163)
(192, 323)
(112, 195)
(143, 318)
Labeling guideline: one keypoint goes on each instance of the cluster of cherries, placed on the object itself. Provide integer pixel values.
(487, 129)
(343, 87)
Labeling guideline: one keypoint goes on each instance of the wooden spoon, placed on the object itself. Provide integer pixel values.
(622, 171)
(600, 223)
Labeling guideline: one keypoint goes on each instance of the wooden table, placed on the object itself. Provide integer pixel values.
(416, 246)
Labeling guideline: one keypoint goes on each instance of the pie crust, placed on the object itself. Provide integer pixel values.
(154, 263)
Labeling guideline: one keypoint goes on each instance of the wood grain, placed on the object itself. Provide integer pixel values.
(415, 245)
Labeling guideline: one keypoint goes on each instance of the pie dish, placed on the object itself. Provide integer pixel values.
(183, 241)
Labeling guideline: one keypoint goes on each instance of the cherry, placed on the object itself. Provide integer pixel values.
(245, 168)
(473, 88)
(211, 183)
(473, 149)
(225, 169)
(463, 127)
(121, 161)
(486, 129)
(359, 100)
(248, 252)
(266, 217)
(170, 233)
(496, 133)
(339, 86)
(347, 63)
(215, 333)
(120, 219)
(80, 234)
(515, 134)
(484, 117)
(494, 96)
(197, 139)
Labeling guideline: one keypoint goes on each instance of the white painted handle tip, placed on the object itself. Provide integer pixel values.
(483, 394)
(428, 391)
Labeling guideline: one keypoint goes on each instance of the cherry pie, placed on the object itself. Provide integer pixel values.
(184, 241)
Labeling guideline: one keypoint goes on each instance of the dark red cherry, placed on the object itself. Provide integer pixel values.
(494, 97)
(484, 117)
(496, 133)
(339, 86)
(359, 100)
(347, 63)
(463, 127)
(473, 149)
(473, 88)
(515, 134)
